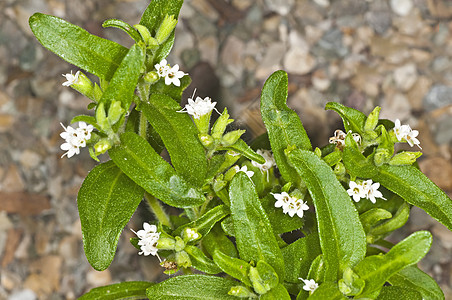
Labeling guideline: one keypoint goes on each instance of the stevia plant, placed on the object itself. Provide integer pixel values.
(237, 202)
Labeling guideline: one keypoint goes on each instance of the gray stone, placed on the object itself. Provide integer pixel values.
(330, 45)
(380, 20)
(298, 61)
(401, 7)
(405, 76)
(443, 132)
(282, 7)
(438, 96)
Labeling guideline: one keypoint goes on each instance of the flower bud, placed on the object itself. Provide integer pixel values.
(404, 158)
(83, 85)
(102, 146)
(231, 172)
(101, 116)
(220, 125)
(231, 137)
(219, 184)
(372, 119)
(179, 245)
(115, 112)
(206, 139)
(166, 243)
(339, 169)
(183, 259)
(190, 234)
(151, 77)
(165, 29)
(241, 292)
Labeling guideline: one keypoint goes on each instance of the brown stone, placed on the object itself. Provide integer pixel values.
(439, 170)
(22, 203)
(12, 241)
(13, 181)
(45, 275)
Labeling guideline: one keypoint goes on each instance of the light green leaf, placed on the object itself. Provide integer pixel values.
(413, 278)
(204, 224)
(179, 135)
(217, 240)
(377, 269)
(253, 232)
(200, 261)
(129, 290)
(342, 236)
(399, 293)
(327, 290)
(191, 287)
(106, 201)
(278, 293)
(124, 81)
(145, 167)
(354, 120)
(283, 124)
(75, 45)
(235, 267)
(132, 32)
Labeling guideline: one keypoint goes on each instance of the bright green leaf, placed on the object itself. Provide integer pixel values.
(399, 293)
(204, 224)
(142, 164)
(327, 290)
(342, 236)
(277, 293)
(106, 201)
(354, 120)
(217, 240)
(75, 45)
(191, 287)
(235, 267)
(120, 291)
(200, 261)
(132, 32)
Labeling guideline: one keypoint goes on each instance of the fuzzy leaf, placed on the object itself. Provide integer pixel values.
(399, 293)
(120, 291)
(237, 268)
(145, 167)
(204, 224)
(106, 201)
(327, 290)
(277, 293)
(200, 261)
(75, 45)
(354, 120)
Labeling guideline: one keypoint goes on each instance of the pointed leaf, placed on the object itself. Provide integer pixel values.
(253, 232)
(191, 287)
(342, 236)
(145, 167)
(106, 201)
(200, 261)
(277, 293)
(204, 224)
(75, 45)
(327, 290)
(124, 290)
(413, 278)
(217, 240)
(180, 137)
(283, 124)
(237, 268)
(377, 269)
(354, 120)
(132, 32)
(124, 81)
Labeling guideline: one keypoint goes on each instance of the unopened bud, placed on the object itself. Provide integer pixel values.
(115, 112)
(102, 146)
(404, 158)
(231, 137)
(372, 119)
(241, 292)
(183, 259)
(165, 29)
(206, 140)
(151, 77)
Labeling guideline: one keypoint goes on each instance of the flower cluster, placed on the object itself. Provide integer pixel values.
(245, 170)
(405, 133)
(339, 138)
(269, 160)
(199, 107)
(290, 205)
(148, 239)
(172, 75)
(71, 79)
(365, 190)
(75, 138)
(309, 285)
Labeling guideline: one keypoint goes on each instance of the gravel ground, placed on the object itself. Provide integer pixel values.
(395, 54)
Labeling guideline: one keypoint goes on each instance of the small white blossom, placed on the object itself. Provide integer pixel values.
(290, 205)
(192, 234)
(162, 68)
(174, 75)
(356, 191)
(309, 285)
(405, 133)
(75, 138)
(199, 107)
(269, 160)
(245, 170)
(71, 79)
(148, 239)
(366, 190)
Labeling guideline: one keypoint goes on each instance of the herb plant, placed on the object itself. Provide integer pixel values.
(236, 201)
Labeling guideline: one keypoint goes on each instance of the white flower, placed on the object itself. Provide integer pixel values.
(405, 133)
(148, 239)
(338, 138)
(75, 138)
(162, 68)
(199, 107)
(356, 137)
(174, 75)
(269, 160)
(309, 285)
(71, 79)
(371, 190)
(245, 169)
(192, 234)
(290, 205)
(356, 191)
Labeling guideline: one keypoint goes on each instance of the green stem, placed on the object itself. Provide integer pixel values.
(157, 210)
(142, 129)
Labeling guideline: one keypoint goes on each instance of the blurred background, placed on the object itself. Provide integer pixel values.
(393, 53)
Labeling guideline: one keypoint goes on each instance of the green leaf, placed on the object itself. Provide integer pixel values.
(406, 181)
(179, 135)
(241, 147)
(327, 290)
(189, 287)
(299, 255)
(145, 167)
(281, 222)
(175, 92)
(377, 269)
(217, 240)
(263, 277)
(413, 278)
(354, 120)
(124, 81)
(106, 201)
(235, 267)
(283, 124)
(253, 232)
(204, 224)
(342, 236)
(200, 261)
(132, 32)
(75, 45)
(125, 290)
(277, 293)
(399, 293)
